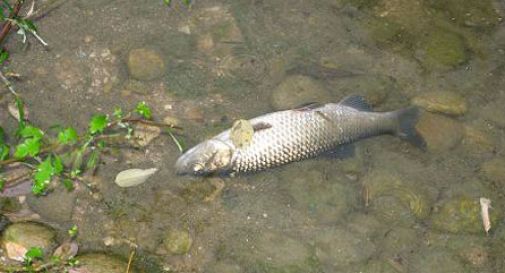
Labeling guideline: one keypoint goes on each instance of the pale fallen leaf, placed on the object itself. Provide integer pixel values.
(15, 251)
(66, 250)
(133, 177)
(485, 204)
(13, 111)
(241, 133)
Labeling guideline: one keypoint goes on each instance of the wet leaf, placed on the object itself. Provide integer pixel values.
(66, 250)
(98, 123)
(58, 165)
(21, 113)
(32, 254)
(4, 151)
(30, 146)
(73, 231)
(118, 112)
(42, 176)
(4, 55)
(67, 136)
(93, 160)
(241, 133)
(68, 184)
(31, 131)
(143, 110)
(133, 177)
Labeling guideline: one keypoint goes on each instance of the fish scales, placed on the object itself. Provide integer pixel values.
(298, 135)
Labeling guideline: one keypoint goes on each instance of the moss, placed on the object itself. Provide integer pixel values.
(443, 48)
(473, 13)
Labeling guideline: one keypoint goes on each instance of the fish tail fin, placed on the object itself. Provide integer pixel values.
(406, 127)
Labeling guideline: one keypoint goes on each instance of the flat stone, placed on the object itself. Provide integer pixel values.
(445, 102)
(440, 133)
(145, 64)
(297, 90)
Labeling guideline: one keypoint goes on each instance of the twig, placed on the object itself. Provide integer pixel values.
(130, 259)
(8, 84)
(45, 9)
(8, 25)
(152, 123)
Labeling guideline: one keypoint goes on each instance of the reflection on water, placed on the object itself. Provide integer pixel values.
(389, 208)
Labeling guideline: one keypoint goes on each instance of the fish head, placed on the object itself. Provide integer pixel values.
(209, 157)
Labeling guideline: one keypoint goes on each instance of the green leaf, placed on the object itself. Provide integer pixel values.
(2, 183)
(4, 151)
(167, 2)
(77, 160)
(58, 165)
(143, 110)
(31, 147)
(33, 253)
(2, 135)
(31, 131)
(21, 110)
(42, 176)
(73, 231)
(186, 2)
(118, 112)
(67, 136)
(4, 55)
(68, 184)
(98, 123)
(93, 160)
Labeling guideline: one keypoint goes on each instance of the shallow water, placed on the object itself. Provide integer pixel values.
(389, 208)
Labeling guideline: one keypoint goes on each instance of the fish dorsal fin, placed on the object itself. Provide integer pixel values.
(261, 126)
(356, 102)
(308, 106)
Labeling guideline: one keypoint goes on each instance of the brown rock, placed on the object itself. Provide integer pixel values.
(440, 133)
(442, 102)
(145, 64)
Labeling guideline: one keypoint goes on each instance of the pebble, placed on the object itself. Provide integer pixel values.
(298, 90)
(445, 102)
(494, 170)
(145, 64)
(178, 242)
(18, 238)
(440, 133)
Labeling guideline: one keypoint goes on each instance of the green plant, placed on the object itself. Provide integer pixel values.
(185, 2)
(66, 154)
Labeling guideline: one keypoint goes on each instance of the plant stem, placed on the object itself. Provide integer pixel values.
(8, 25)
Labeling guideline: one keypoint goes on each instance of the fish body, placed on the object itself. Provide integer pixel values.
(293, 135)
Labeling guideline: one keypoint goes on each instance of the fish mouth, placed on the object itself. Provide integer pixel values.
(183, 164)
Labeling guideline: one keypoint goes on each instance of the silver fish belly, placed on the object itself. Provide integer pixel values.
(294, 135)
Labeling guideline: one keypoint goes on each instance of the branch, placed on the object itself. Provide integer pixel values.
(8, 24)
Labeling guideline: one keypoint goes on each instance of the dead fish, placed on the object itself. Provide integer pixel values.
(293, 135)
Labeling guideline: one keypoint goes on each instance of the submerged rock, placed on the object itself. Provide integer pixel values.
(178, 242)
(221, 267)
(270, 252)
(145, 64)
(56, 206)
(472, 13)
(326, 201)
(461, 215)
(392, 199)
(478, 140)
(100, 263)
(441, 49)
(297, 90)
(440, 133)
(494, 170)
(339, 247)
(18, 238)
(445, 102)
(435, 260)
